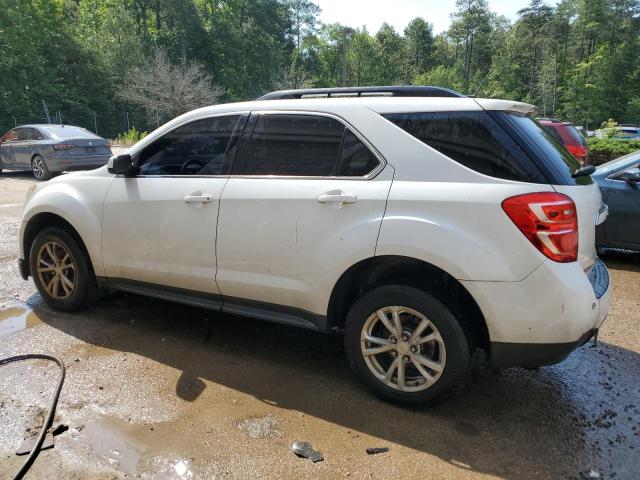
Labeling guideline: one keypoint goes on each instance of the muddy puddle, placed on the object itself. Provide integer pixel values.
(16, 316)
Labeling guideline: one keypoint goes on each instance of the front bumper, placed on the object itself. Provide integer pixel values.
(541, 319)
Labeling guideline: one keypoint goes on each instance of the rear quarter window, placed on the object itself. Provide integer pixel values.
(473, 139)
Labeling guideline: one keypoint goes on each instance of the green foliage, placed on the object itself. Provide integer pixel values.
(577, 60)
(601, 150)
(609, 128)
(130, 137)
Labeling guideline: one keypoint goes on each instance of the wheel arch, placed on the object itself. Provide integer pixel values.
(43, 220)
(401, 270)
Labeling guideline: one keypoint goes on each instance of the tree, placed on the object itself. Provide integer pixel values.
(165, 90)
(419, 46)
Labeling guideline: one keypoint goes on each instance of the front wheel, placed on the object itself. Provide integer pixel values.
(61, 270)
(406, 345)
(39, 168)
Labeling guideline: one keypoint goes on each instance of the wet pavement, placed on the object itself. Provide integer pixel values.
(159, 390)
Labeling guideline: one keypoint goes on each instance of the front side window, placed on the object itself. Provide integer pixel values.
(304, 146)
(198, 148)
(473, 139)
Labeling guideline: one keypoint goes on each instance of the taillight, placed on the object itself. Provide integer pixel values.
(578, 151)
(63, 146)
(549, 220)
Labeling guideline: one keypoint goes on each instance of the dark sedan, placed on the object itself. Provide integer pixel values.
(619, 181)
(46, 149)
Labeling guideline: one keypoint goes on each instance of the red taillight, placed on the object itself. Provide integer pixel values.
(549, 221)
(578, 151)
(63, 146)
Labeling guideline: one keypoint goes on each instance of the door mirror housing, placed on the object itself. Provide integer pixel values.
(121, 164)
(629, 176)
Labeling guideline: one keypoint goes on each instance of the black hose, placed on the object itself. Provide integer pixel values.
(52, 410)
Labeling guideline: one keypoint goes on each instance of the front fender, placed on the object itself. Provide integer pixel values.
(78, 201)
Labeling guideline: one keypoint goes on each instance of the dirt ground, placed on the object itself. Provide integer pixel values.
(158, 390)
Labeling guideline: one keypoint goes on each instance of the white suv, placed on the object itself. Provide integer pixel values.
(423, 224)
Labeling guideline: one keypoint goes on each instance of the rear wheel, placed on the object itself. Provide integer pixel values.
(61, 270)
(406, 345)
(39, 168)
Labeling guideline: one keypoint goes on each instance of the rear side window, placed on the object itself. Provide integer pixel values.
(303, 146)
(473, 139)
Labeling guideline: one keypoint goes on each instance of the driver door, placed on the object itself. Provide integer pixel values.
(623, 223)
(159, 227)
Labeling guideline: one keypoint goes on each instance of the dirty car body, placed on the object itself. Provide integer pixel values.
(424, 225)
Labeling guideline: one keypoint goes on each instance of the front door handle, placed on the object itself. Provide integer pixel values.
(337, 197)
(204, 198)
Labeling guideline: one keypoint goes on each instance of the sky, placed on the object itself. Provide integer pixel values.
(399, 13)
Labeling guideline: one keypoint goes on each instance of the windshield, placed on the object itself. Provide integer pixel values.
(575, 135)
(69, 132)
(549, 147)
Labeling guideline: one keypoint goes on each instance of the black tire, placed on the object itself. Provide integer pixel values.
(40, 169)
(456, 344)
(85, 286)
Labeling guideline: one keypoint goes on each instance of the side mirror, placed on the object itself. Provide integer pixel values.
(630, 176)
(120, 164)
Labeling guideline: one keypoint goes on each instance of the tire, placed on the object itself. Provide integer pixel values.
(448, 348)
(40, 169)
(66, 251)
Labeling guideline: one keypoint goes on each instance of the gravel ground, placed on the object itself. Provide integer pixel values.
(158, 390)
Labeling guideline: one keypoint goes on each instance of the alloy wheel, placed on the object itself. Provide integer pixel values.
(38, 167)
(403, 349)
(56, 270)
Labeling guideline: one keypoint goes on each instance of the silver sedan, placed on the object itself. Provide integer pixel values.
(47, 149)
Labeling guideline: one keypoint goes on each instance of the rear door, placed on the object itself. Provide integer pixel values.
(6, 149)
(23, 148)
(304, 202)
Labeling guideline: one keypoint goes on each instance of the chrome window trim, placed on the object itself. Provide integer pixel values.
(372, 174)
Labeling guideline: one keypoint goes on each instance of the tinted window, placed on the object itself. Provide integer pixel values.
(473, 139)
(356, 159)
(545, 144)
(198, 148)
(292, 145)
(552, 131)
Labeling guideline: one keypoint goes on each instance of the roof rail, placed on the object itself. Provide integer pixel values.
(388, 91)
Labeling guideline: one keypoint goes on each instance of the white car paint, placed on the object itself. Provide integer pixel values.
(270, 240)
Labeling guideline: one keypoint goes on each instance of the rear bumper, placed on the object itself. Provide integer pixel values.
(541, 319)
(68, 163)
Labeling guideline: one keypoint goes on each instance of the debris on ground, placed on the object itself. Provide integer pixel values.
(305, 450)
(375, 450)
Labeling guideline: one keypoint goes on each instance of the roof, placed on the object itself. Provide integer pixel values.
(380, 91)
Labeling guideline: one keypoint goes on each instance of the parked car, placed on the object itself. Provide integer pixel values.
(47, 149)
(619, 181)
(624, 132)
(421, 223)
(567, 134)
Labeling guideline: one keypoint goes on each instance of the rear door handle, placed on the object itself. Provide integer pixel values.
(204, 198)
(337, 197)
